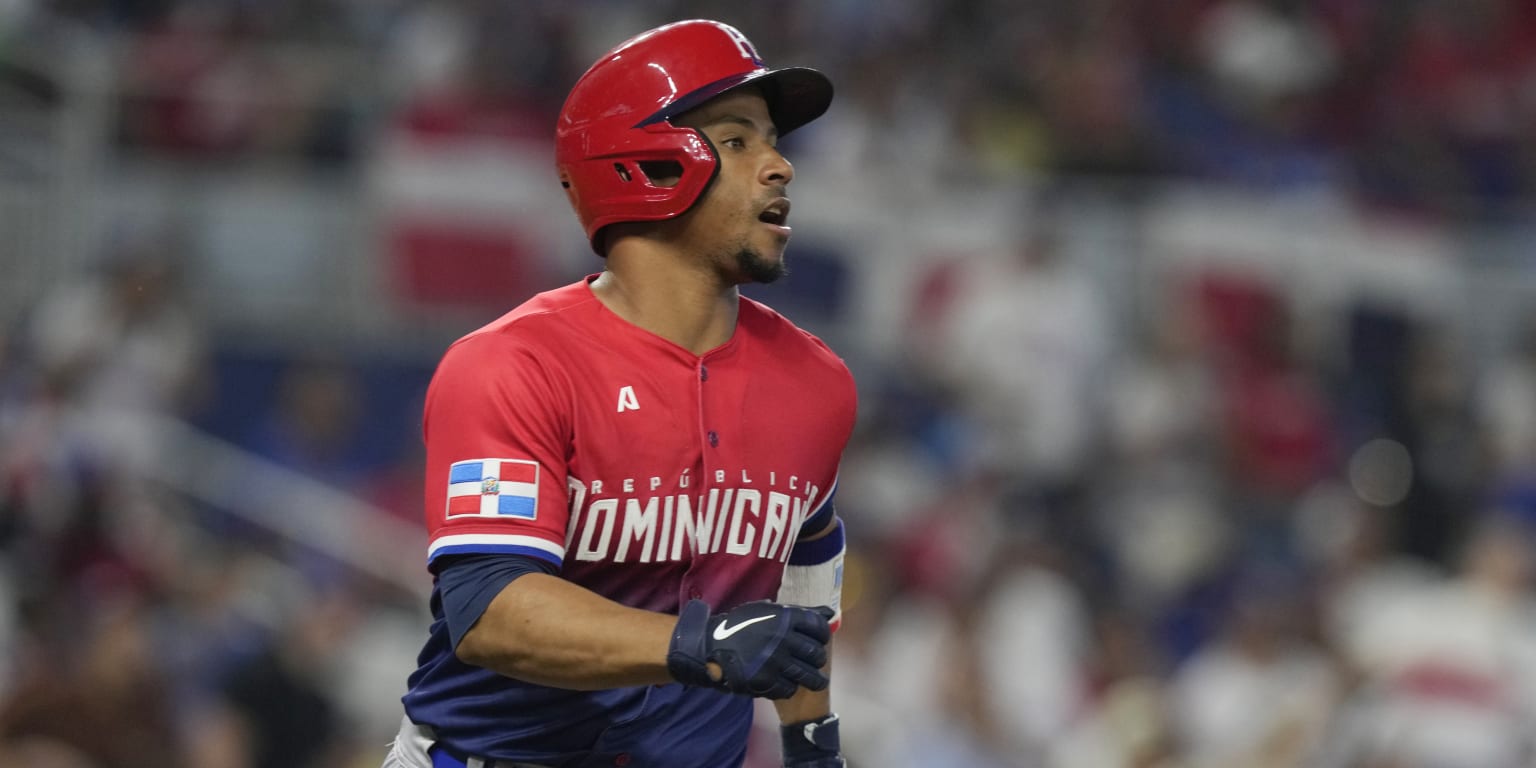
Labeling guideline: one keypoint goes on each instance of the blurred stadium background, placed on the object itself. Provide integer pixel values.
(1194, 337)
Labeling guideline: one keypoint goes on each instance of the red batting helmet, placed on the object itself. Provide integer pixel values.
(618, 117)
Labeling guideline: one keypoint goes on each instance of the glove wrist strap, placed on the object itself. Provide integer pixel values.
(685, 655)
(810, 742)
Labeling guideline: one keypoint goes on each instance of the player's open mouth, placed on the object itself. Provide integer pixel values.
(776, 215)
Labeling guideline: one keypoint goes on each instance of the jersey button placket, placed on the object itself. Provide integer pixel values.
(711, 436)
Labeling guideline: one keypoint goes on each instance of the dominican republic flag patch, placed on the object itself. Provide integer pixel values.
(494, 488)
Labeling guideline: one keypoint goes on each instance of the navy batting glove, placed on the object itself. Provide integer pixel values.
(763, 649)
(812, 744)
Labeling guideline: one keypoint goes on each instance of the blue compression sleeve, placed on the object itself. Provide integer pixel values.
(822, 517)
(820, 550)
(468, 583)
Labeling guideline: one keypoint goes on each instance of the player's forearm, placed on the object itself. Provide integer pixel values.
(807, 704)
(546, 630)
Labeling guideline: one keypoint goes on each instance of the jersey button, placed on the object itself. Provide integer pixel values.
(703, 373)
(714, 439)
(621, 759)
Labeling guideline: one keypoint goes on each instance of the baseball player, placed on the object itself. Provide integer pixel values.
(630, 479)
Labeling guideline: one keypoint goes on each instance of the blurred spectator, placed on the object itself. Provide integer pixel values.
(494, 76)
(1364, 577)
(1091, 84)
(1278, 438)
(891, 482)
(210, 81)
(313, 427)
(217, 616)
(1028, 628)
(1450, 671)
(102, 696)
(43, 753)
(280, 697)
(906, 711)
(1027, 347)
(1124, 720)
(123, 338)
(1506, 412)
(1259, 695)
(1265, 53)
(1460, 76)
(1160, 496)
(1128, 728)
(427, 47)
(201, 84)
(1449, 454)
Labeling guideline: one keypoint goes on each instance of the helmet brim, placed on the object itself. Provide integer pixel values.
(795, 96)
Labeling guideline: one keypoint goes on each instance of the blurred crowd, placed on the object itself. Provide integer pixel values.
(1424, 105)
(143, 626)
(1219, 542)
(1218, 536)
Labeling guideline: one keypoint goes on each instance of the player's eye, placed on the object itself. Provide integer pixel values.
(735, 142)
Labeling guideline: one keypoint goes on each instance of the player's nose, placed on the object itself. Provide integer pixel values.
(778, 170)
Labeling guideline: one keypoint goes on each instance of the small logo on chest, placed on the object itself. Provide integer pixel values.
(627, 400)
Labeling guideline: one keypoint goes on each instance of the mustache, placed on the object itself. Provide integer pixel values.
(777, 192)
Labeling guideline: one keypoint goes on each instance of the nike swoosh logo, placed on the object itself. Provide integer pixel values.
(722, 632)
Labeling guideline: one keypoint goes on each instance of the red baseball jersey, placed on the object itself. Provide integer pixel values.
(649, 474)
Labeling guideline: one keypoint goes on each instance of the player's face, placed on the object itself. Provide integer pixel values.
(741, 223)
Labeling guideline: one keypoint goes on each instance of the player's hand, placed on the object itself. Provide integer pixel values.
(762, 648)
(812, 744)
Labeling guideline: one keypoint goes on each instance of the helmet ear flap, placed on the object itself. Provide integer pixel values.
(649, 174)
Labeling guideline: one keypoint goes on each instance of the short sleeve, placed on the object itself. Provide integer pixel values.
(497, 430)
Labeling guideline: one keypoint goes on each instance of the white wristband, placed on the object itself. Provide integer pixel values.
(817, 578)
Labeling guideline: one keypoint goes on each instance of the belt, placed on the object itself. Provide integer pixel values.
(444, 756)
